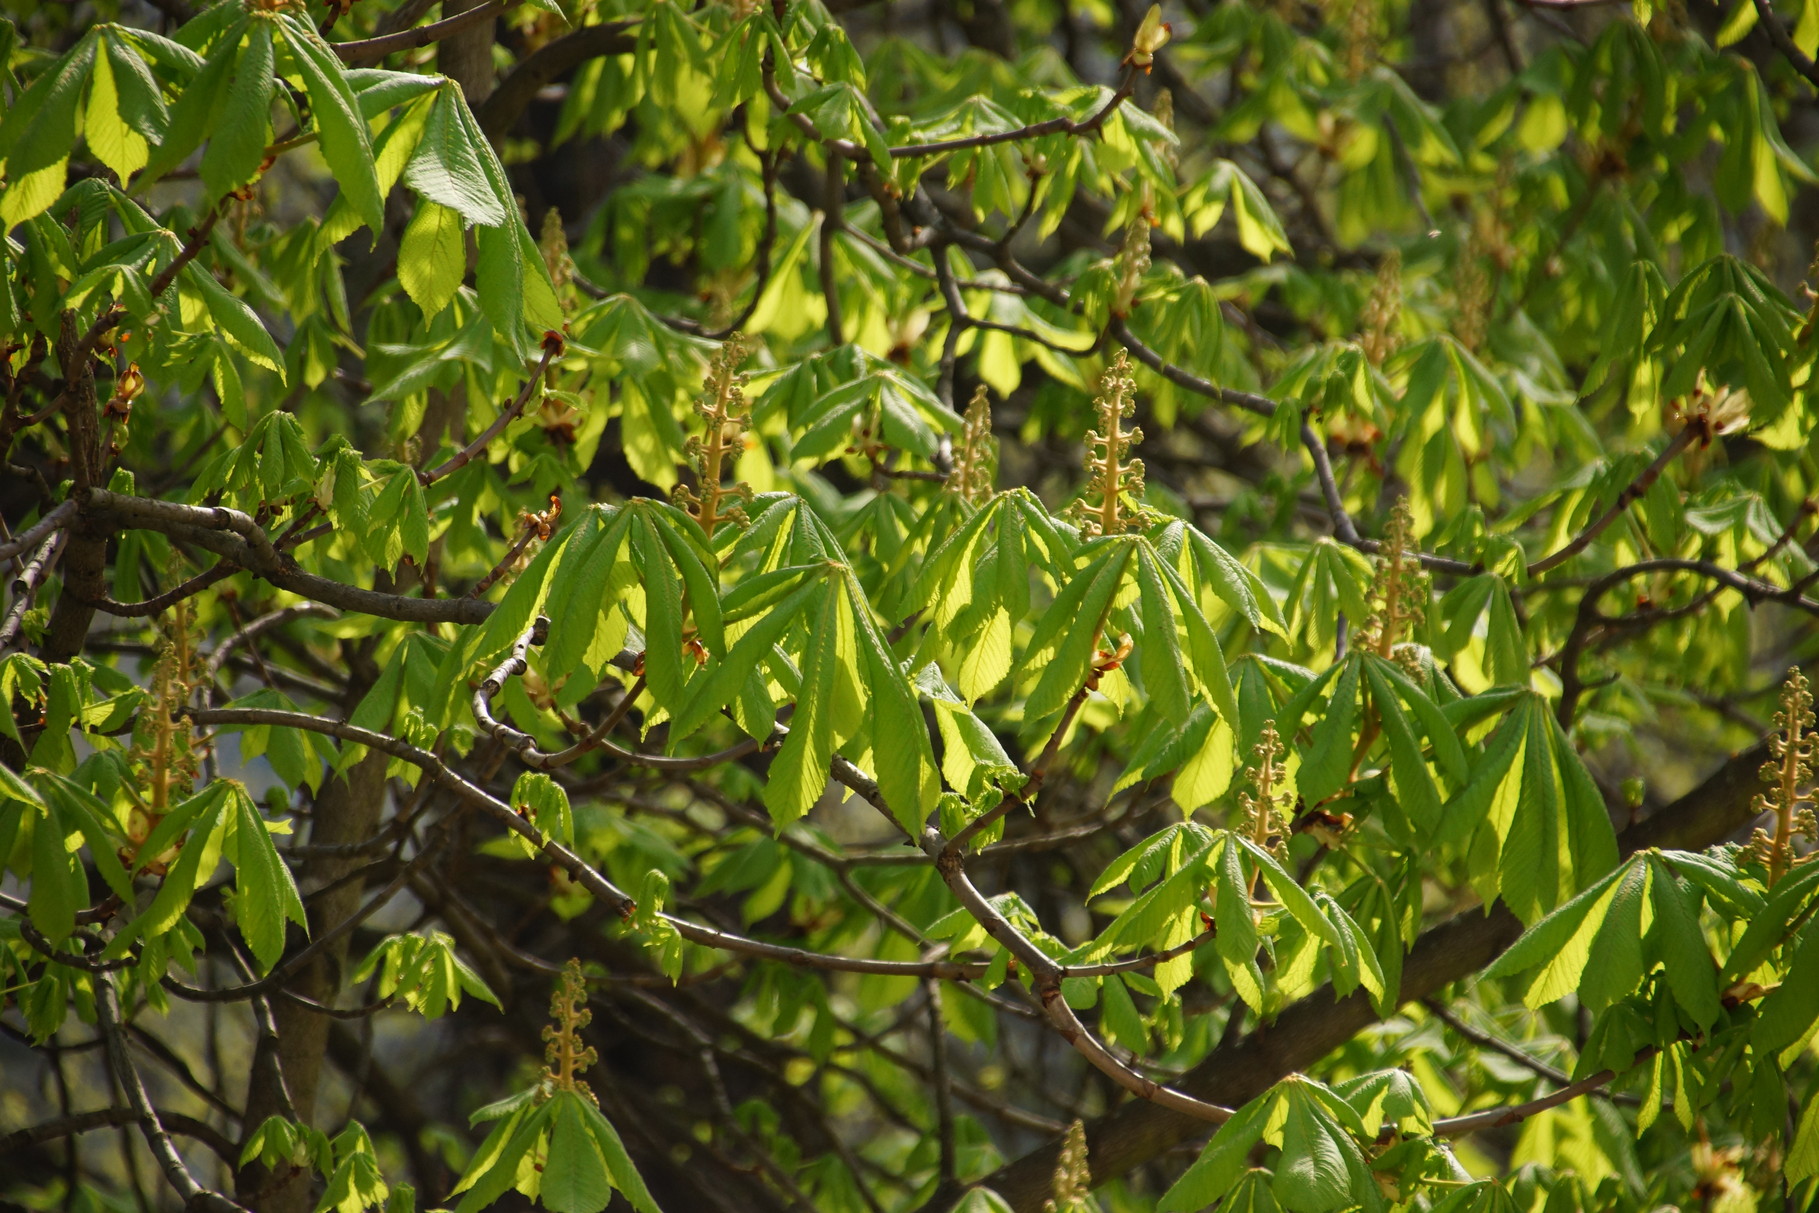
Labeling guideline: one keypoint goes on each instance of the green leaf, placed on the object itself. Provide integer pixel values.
(663, 656)
(1223, 1160)
(126, 113)
(345, 143)
(574, 1175)
(84, 812)
(798, 774)
(588, 629)
(499, 280)
(1159, 651)
(624, 1175)
(243, 127)
(543, 802)
(1614, 967)
(1786, 1016)
(901, 749)
(59, 887)
(432, 257)
(204, 818)
(237, 320)
(1803, 1154)
(39, 132)
(1560, 944)
(721, 684)
(493, 1170)
(449, 163)
(1768, 928)
(1321, 1167)
(265, 895)
(1326, 763)
(1388, 1097)
(1237, 929)
(1676, 941)
(1415, 791)
(1083, 613)
(1162, 853)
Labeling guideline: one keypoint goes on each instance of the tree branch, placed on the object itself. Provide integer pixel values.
(59, 516)
(235, 536)
(515, 93)
(371, 50)
(1306, 1031)
(105, 1118)
(176, 1171)
(1777, 33)
(1631, 491)
(461, 458)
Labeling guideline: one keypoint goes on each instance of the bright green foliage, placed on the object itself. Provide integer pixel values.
(347, 1163)
(1318, 1132)
(424, 972)
(990, 580)
(551, 1142)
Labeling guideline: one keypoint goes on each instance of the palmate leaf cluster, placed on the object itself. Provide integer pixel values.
(1321, 777)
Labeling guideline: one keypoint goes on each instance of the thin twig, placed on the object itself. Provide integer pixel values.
(944, 1093)
(370, 50)
(1485, 1040)
(1631, 492)
(25, 586)
(176, 1171)
(106, 1118)
(1035, 130)
(1770, 21)
(211, 670)
(464, 456)
(583, 873)
(160, 603)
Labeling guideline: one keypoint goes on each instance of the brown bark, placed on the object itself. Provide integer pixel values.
(467, 57)
(85, 560)
(1137, 1131)
(347, 810)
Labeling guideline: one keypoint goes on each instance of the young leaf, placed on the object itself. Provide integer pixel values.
(798, 774)
(432, 257)
(243, 127)
(339, 123)
(265, 895)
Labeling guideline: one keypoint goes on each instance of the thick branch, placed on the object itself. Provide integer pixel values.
(500, 110)
(60, 515)
(1234, 1074)
(235, 536)
(371, 50)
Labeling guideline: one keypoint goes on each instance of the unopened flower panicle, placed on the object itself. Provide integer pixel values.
(1112, 475)
(976, 459)
(564, 1054)
(726, 417)
(1794, 746)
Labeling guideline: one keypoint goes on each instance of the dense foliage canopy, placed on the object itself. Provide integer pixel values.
(555, 532)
